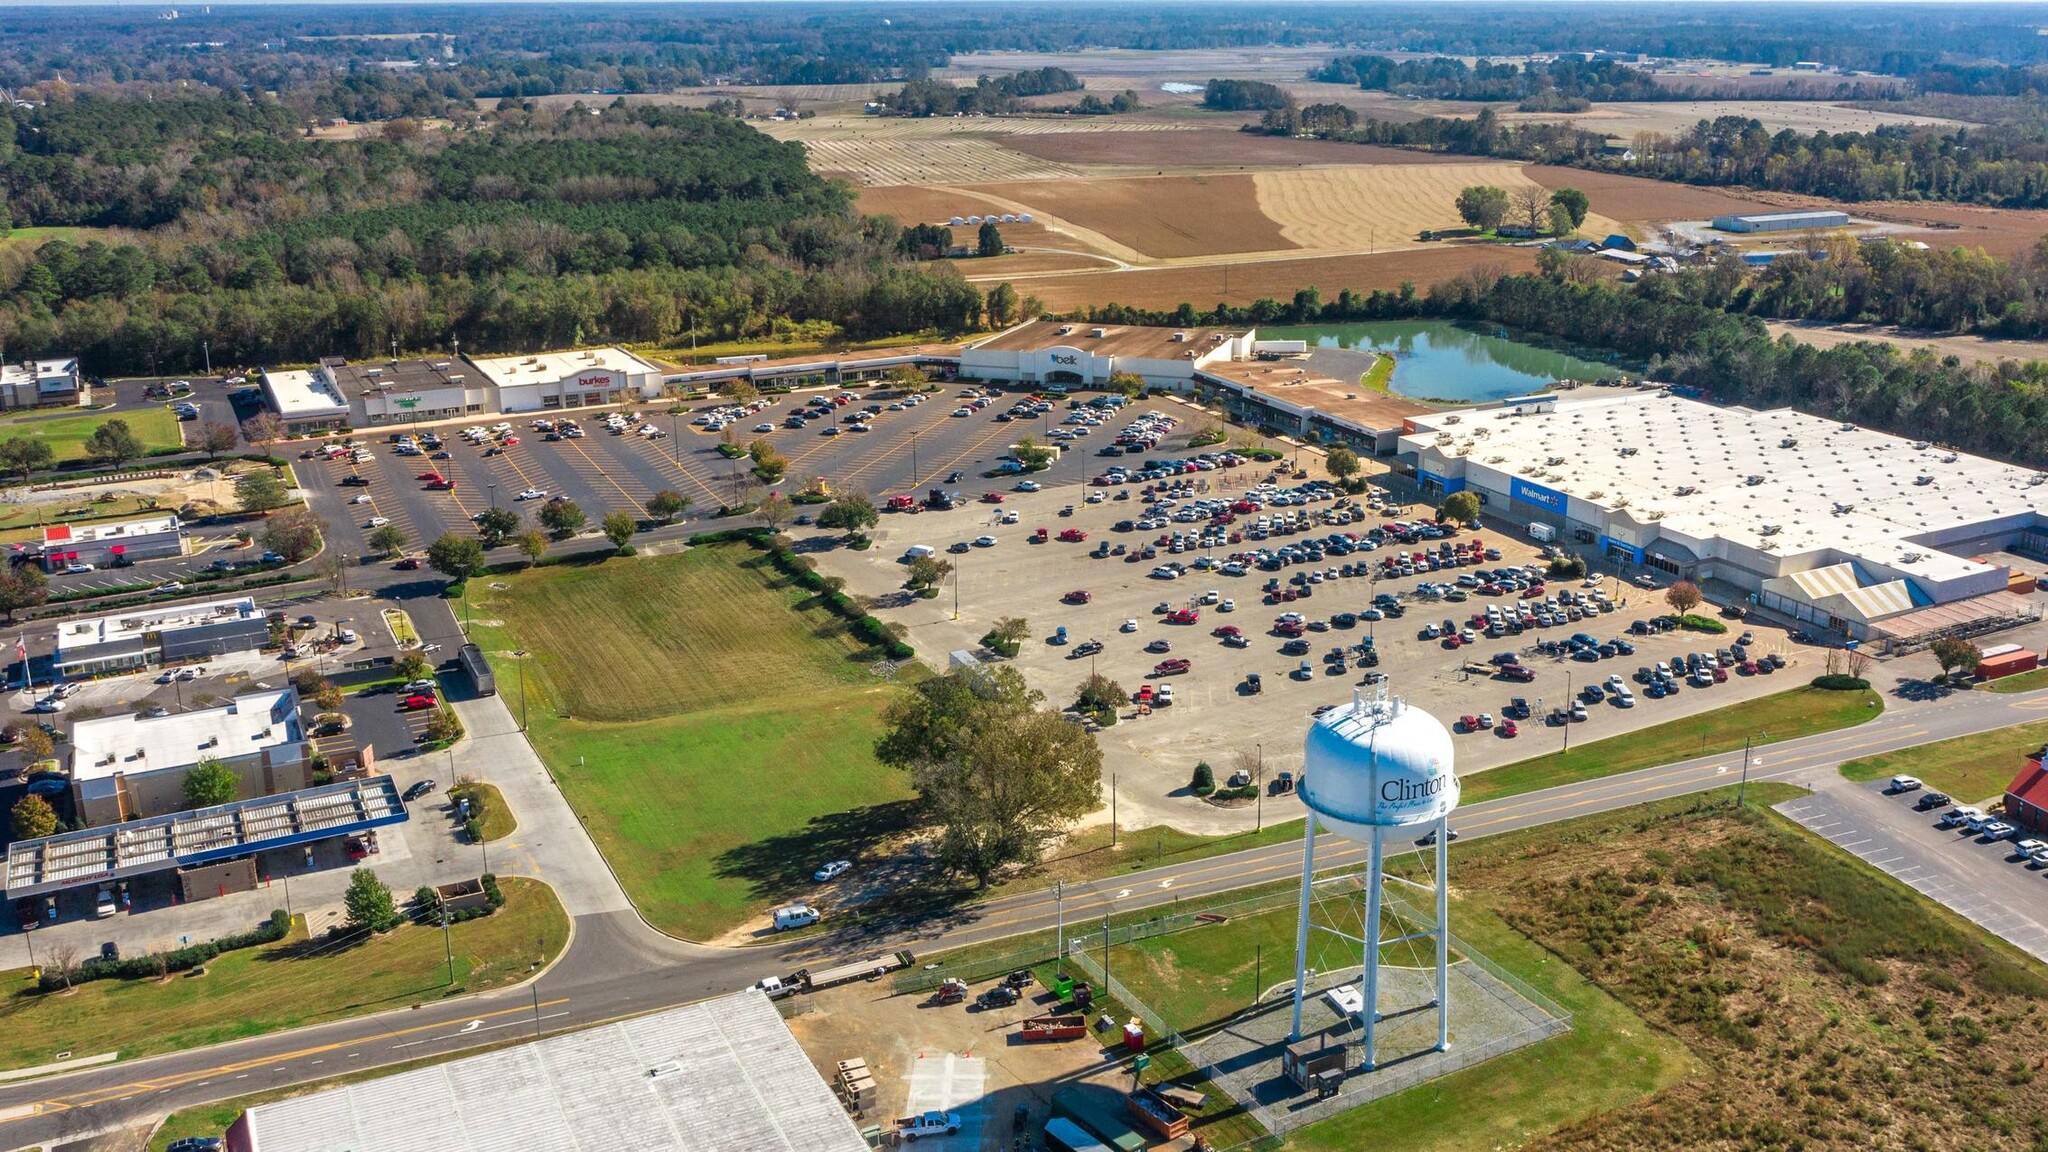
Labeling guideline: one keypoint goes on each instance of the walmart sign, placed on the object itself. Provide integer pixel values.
(1548, 499)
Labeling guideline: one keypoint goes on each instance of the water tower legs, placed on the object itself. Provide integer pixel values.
(1375, 883)
(1308, 876)
(1443, 934)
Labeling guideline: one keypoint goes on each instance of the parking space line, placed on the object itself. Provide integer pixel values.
(638, 502)
(668, 460)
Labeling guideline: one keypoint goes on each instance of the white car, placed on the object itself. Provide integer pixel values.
(984, 541)
(1228, 605)
(768, 428)
(1163, 694)
(962, 412)
(832, 871)
(360, 498)
(533, 494)
(1027, 485)
(1904, 784)
(376, 521)
(76, 569)
(1131, 625)
(1007, 518)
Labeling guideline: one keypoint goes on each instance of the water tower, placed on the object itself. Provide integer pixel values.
(1378, 768)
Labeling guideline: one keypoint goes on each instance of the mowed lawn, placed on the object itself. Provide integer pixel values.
(1970, 768)
(290, 984)
(1768, 719)
(713, 728)
(66, 429)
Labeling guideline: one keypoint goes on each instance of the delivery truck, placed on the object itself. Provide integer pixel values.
(1541, 532)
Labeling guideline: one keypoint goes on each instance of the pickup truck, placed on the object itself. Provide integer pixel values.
(1171, 667)
(928, 1124)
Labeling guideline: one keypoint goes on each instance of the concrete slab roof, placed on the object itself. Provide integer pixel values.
(76, 636)
(549, 367)
(720, 1074)
(1779, 481)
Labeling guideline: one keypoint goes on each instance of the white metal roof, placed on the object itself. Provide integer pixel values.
(551, 367)
(60, 534)
(722, 1074)
(75, 636)
(131, 744)
(1779, 481)
(298, 394)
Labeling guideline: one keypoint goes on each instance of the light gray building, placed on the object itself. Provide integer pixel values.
(152, 636)
(1781, 221)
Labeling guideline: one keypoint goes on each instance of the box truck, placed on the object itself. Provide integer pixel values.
(1541, 531)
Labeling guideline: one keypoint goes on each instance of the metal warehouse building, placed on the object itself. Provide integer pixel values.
(722, 1074)
(1781, 221)
(1855, 531)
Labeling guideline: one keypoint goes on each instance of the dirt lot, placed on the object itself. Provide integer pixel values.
(1624, 121)
(1213, 717)
(898, 1034)
(912, 204)
(1968, 348)
(1638, 200)
(1161, 216)
(1247, 280)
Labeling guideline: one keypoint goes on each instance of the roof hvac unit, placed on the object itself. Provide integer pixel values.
(1789, 442)
(1949, 457)
(1841, 508)
(1909, 557)
(1921, 445)
(1923, 479)
(1684, 490)
(1628, 451)
(1553, 461)
(1752, 481)
(1769, 530)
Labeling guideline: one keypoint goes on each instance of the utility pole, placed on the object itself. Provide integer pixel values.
(1259, 802)
(1059, 922)
(448, 943)
(522, 695)
(1112, 809)
(1570, 702)
(206, 349)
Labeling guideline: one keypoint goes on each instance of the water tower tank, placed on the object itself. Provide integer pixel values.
(1378, 764)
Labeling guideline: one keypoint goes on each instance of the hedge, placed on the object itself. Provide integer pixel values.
(801, 572)
(177, 960)
(1698, 623)
(1836, 682)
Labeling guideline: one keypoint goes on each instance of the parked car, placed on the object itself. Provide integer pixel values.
(832, 871)
(418, 702)
(1903, 784)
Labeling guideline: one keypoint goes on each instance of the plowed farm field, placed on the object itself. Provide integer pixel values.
(1159, 217)
(1209, 148)
(1241, 282)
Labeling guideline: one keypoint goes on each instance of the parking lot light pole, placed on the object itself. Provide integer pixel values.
(448, 943)
(1570, 702)
(492, 485)
(1259, 802)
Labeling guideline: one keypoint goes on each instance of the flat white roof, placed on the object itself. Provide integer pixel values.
(723, 1075)
(298, 394)
(1778, 481)
(550, 367)
(74, 636)
(108, 533)
(129, 744)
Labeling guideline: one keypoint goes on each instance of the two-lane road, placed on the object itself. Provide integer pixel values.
(617, 966)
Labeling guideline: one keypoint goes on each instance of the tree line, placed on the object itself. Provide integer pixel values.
(1539, 85)
(553, 228)
(921, 98)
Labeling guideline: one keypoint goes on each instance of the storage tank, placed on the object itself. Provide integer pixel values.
(1378, 764)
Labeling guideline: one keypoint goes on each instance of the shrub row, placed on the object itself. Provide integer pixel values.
(1698, 623)
(1836, 682)
(177, 960)
(866, 628)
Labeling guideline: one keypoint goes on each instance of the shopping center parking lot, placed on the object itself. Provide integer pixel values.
(1214, 714)
(907, 450)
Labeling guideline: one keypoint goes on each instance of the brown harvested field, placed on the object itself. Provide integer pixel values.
(1380, 206)
(1623, 121)
(1209, 148)
(1203, 285)
(1638, 200)
(1999, 231)
(1033, 263)
(1160, 217)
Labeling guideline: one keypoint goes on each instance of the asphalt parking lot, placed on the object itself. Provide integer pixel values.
(1213, 715)
(906, 451)
(1976, 877)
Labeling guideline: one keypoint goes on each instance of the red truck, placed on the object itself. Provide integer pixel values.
(1173, 667)
(1071, 535)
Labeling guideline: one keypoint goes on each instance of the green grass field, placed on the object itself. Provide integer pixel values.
(1782, 716)
(66, 429)
(713, 728)
(1970, 768)
(499, 822)
(286, 985)
(1377, 376)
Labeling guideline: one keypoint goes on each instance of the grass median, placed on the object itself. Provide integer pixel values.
(1769, 719)
(66, 430)
(2020, 682)
(1969, 768)
(712, 724)
(290, 984)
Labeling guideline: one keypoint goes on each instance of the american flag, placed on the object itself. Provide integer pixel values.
(21, 649)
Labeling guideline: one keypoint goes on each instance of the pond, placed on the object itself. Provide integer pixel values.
(1436, 360)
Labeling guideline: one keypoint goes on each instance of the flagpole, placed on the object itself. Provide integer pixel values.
(28, 680)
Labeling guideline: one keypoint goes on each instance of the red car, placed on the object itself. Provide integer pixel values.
(991, 497)
(441, 486)
(1227, 630)
(1172, 667)
(509, 441)
(418, 702)
(429, 477)
(1183, 616)
(1073, 535)
(409, 564)
(1077, 597)
(1507, 728)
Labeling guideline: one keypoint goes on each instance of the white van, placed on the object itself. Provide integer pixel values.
(795, 916)
(919, 552)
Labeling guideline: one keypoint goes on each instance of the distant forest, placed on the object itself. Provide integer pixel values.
(985, 95)
(380, 61)
(543, 229)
